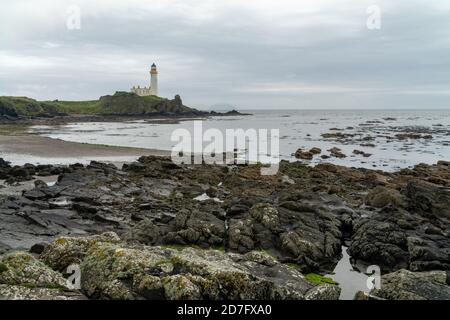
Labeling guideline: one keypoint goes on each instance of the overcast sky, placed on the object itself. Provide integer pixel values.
(250, 54)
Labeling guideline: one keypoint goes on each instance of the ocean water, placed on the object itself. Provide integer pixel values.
(372, 132)
(351, 278)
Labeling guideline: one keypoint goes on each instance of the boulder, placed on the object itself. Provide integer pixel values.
(337, 153)
(65, 251)
(380, 197)
(407, 285)
(394, 239)
(429, 198)
(315, 150)
(118, 271)
(24, 277)
(20, 268)
(304, 155)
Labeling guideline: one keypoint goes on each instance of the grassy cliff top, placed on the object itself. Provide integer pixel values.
(120, 103)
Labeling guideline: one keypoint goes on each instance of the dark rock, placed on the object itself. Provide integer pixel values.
(337, 153)
(84, 209)
(34, 194)
(394, 239)
(38, 248)
(380, 242)
(169, 165)
(407, 285)
(19, 173)
(362, 153)
(429, 198)
(411, 135)
(305, 155)
(237, 209)
(134, 167)
(39, 184)
(4, 164)
(106, 168)
(380, 197)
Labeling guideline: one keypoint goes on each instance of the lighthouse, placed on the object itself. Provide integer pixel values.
(152, 90)
(154, 80)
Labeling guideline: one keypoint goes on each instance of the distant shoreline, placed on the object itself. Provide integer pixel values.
(121, 106)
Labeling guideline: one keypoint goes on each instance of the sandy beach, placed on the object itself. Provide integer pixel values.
(44, 147)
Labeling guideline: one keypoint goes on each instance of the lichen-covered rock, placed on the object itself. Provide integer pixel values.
(407, 285)
(117, 271)
(197, 227)
(324, 292)
(251, 276)
(267, 215)
(110, 271)
(9, 292)
(24, 277)
(240, 235)
(180, 287)
(20, 268)
(145, 232)
(65, 251)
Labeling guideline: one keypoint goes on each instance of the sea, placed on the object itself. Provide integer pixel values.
(373, 132)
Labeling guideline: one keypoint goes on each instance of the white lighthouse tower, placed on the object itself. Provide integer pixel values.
(153, 80)
(152, 90)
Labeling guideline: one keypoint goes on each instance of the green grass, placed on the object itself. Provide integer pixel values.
(119, 103)
(319, 279)
(77, 107)
(292, 265)
(25, 106)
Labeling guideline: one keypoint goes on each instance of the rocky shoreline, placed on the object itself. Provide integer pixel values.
(122, 106)
(163, 117)
(156, 230)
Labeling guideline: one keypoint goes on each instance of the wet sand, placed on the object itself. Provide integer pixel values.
(44, 147)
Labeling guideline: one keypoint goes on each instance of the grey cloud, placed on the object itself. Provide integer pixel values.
(253, 54)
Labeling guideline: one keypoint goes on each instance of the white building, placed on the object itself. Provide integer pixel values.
(152, 90)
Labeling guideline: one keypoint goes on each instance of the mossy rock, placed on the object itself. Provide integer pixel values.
(65, 251)
(108, 270)
(3, 267)
(319, 279)
(13, 292)
(21, 268)
(180, 287)
(115, 270)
